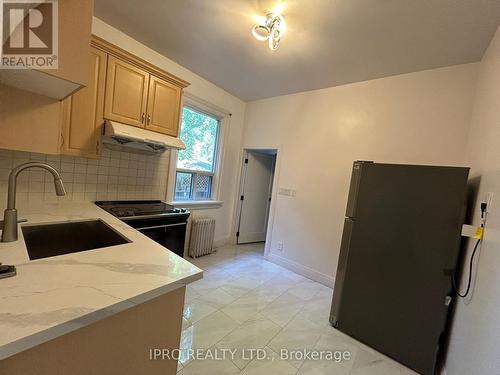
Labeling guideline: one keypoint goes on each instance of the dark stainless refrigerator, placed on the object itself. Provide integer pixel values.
(399, 247)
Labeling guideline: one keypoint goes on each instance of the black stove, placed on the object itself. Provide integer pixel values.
(139, 209)
(158, 220)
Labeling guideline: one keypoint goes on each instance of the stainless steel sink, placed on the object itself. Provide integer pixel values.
(48, 240)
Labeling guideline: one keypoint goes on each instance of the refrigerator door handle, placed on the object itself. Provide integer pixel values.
(352, 200)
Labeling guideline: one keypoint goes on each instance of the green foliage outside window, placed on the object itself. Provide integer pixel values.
(199, 133)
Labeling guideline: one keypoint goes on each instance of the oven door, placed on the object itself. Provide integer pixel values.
(170, 234)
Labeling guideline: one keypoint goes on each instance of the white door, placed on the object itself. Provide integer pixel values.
(256, 196)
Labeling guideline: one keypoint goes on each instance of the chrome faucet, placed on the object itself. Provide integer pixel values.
(9, 232)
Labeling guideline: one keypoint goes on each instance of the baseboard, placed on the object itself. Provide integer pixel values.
(302, 270)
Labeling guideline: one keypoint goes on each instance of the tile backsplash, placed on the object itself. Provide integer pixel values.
(118, 174)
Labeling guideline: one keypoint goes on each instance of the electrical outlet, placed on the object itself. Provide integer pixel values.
(284, 191)
(489, 202)
(287, 192)
(280, 245)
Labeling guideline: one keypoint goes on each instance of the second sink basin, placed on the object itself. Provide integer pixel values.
(48, 240)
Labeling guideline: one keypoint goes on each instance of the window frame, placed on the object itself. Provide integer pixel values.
(223, 118)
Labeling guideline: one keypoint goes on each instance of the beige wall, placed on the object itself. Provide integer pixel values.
(476, 331)
(420, 117)
(210, 93)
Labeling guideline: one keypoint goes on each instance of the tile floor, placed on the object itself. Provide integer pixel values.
(246, 302)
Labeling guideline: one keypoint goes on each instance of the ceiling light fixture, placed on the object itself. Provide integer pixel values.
(271, 29)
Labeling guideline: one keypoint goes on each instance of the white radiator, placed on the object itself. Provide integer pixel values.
(202, 236)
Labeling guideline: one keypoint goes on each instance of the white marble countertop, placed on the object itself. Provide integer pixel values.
(53, 296)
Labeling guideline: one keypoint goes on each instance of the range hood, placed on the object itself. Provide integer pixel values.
(116, 133)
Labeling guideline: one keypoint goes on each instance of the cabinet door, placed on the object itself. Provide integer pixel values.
(163, 107)
(126, 93)
(82, 116)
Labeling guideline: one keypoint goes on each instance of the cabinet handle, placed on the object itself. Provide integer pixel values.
(97, 148)
(143, 117)
(62, 141)
(149, 119)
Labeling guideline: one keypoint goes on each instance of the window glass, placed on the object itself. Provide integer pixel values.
(183, 186)
(199, 133)
(196, 164)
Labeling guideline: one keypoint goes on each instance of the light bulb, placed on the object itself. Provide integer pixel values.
(273, 44)
(260, 32)
(282, 26)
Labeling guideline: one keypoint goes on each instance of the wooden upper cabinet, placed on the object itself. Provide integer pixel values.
(126, 93)
(82, 113)
(163, 108)
(139, 93)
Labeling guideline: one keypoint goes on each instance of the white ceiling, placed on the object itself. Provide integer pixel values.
(327, 42)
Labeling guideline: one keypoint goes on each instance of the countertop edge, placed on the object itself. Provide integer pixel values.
(31, 341)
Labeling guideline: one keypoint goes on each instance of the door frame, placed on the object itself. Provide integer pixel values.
(272, 206)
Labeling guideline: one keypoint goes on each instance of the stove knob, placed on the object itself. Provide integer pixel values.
(183, 210)
(176, 210)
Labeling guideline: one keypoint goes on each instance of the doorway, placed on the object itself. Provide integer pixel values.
(255, 195)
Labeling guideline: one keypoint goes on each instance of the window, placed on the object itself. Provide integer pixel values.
(196, 165)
